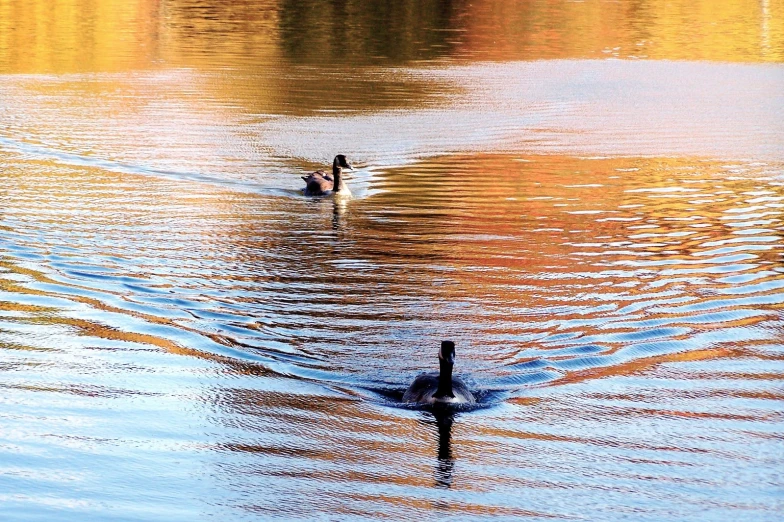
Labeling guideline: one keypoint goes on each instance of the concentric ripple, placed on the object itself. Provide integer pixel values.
(578, 291)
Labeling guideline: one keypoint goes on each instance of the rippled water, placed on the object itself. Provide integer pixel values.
(184, 336)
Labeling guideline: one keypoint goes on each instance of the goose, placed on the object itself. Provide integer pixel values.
(440, 388)
(320, 184)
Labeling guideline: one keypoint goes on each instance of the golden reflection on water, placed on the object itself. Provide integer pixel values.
(79, 36)
(169, 303)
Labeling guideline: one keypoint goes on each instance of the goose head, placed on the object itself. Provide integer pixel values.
(340, 162)
(446, 355)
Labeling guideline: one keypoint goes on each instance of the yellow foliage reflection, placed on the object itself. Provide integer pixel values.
(114, 35)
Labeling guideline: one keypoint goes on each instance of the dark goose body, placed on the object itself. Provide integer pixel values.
(320, 183)
(425, 386)
(440, 387)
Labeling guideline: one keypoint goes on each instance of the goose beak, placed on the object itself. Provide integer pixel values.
(349, 167)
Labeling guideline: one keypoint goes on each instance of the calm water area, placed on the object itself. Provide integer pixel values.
(587, 197)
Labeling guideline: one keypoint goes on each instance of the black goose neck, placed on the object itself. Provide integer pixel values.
(336, 171)
(444, 379)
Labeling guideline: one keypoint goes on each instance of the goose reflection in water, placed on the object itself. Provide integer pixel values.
(446, 463)
(339, 209)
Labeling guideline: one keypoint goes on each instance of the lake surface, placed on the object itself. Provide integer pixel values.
(587, 197)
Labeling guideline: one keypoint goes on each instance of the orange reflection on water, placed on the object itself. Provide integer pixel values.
(77, 36)
(742, 30)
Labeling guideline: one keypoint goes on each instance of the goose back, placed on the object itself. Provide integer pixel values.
(318, 183)
(425, 387)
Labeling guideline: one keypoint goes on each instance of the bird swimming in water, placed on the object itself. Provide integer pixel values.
(320, 184)
(440, 388)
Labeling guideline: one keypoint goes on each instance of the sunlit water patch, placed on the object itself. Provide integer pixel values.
(210, 127)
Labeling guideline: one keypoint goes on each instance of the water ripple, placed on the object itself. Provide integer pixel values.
(280, 321)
